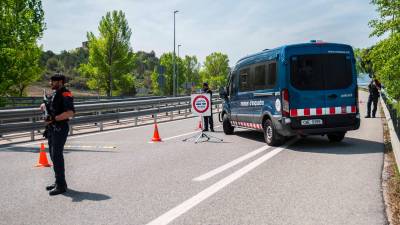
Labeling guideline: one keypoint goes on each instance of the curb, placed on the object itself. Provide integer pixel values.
(393, 136)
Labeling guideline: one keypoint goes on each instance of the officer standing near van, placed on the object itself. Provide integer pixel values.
(374, 87)
(208, 120)
(61, 107)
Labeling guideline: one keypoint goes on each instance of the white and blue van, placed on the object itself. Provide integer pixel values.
(301, 89)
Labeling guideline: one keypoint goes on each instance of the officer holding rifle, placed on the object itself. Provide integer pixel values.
(58, 108)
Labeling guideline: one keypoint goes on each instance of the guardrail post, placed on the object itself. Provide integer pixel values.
(32, 132)
(117, 111)
(136, 118)
(179, 111)
(155, 118)
(71, 130)
(186, 113)
(101, 123)
(166, 105)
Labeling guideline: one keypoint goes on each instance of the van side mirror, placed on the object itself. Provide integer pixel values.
(222, 93)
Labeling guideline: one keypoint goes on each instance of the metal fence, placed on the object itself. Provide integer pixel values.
(27, 102)
(393, 113)
(30, 119)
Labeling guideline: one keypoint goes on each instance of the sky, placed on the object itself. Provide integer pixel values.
(234, 27)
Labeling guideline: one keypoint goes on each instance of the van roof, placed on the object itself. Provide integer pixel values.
(268, 54)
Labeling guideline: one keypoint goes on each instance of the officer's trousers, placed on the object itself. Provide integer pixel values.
(57, 137)
(208, 120)
(372, 99)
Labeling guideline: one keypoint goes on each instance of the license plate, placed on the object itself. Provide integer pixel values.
(311, 122)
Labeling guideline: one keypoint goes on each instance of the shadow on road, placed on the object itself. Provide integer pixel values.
(251, 134)
(319, 144)
(78, 196)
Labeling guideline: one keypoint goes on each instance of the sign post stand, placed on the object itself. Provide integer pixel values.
(201, 106)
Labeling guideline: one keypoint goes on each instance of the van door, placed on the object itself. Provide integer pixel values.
(307, 86)
(340, 89)
(244, 96)
(265, 79)
(233, 96)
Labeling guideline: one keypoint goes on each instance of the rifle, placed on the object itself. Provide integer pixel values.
(46, 114)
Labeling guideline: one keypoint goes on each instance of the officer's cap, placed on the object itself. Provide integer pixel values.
(57, 77)
(205, 84)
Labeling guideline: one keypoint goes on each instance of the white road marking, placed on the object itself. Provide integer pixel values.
(89, 146)
(206, 193)
(180, 135)
(230, 164)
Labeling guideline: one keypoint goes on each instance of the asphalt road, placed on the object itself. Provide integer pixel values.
(118, 177)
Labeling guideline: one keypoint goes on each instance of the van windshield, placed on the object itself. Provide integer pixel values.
(321, 72)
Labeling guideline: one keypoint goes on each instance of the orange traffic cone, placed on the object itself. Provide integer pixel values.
(156, 135)
(42, 158)
(199, 127)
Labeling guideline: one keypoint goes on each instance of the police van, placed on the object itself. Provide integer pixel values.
(301, 89)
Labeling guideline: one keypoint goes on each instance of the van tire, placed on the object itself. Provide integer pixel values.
(336, 137)
(271, 136)
(226, 125)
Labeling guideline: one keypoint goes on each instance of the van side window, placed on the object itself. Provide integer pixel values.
(259, 77)
(244, 80)
(265, 76)
(271, 78)
(233, 85)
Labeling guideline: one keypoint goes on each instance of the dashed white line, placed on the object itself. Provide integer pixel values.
(206, 193)
(230, 164)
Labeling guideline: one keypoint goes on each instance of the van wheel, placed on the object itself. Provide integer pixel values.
(336, 137)
(271, 136)
(227, 126)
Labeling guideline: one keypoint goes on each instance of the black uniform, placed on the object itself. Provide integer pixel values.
(373, 89)
(208, 119)
(61, 101)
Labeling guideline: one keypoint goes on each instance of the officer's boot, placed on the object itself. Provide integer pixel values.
(50, 187)
(58, 190)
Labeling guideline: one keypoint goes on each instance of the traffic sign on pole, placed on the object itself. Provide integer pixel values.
(201, 104)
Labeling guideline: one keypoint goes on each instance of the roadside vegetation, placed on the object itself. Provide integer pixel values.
(381, 61)
(106, 64)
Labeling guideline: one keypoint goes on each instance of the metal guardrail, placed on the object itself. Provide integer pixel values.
(28, 102)
(395, 116)
(29, 119)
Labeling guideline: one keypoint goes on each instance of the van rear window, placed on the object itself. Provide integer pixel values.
(321, 72)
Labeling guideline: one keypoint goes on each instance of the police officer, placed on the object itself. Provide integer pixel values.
(208, 119)
(373, 89)
(61, 109)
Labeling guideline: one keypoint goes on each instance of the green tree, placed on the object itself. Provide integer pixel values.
(363, 61)
(111, 58)
(385, 55)
(389, 17)
(145, 64)
(166, 61)
(21, 24)
(215, 70)
(191, 68)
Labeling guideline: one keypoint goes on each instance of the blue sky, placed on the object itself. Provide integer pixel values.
(236, 28)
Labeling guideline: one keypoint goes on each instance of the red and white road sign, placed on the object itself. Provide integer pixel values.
(201, 104)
